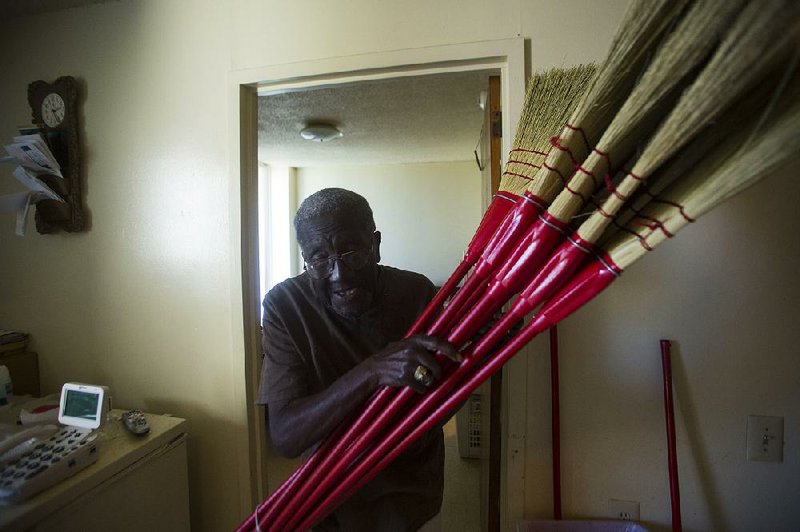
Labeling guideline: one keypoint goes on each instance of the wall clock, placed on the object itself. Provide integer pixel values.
(54, 107)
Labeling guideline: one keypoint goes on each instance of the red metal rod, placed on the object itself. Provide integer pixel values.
(556, 422)
(672, 455)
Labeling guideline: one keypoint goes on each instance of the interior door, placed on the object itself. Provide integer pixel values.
(491, 466)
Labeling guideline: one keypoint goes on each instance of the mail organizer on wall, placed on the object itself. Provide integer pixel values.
(55, 113)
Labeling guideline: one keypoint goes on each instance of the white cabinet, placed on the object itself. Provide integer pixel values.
(138, 483)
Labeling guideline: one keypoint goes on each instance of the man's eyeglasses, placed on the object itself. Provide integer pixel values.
(323, 268)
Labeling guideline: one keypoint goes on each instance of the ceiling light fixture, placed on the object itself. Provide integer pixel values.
(320, 132)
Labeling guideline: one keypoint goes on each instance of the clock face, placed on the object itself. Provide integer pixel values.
(53, 109)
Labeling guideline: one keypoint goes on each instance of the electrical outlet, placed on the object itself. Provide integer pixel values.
(623, 510)
(765, 439)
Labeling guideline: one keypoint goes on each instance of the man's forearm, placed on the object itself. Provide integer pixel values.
(298, 424)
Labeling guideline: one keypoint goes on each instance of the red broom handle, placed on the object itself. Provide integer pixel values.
(555, 421)
(672, 455)
(415, 423)
(500, 207)
(495, 216)
(494, 219)
(502, 244)
(335, 453)
(333, 456)
(384, 418)
(402, 398)
(529, 254)
(515, 223)
(559, 268)
(587, 284)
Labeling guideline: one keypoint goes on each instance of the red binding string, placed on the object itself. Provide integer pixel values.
(517, 175)
(524, 163)
(556, 142)
(677, 206)
(557, 171)
(583, 134)
(579, 168)
(535, 152)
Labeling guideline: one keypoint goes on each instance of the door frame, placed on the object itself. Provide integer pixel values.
(505, 55)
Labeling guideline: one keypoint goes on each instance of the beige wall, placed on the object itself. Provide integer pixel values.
(426, 212)
(146, 300)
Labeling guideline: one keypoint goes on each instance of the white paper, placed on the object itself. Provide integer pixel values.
(31, 156)
(37, 141)
(35, 184)
(20, 203)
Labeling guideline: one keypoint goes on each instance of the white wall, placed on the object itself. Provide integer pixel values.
(723, 291)
(141, 301)
(146, 299)
(426, 213)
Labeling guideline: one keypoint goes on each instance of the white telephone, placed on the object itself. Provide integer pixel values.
(40, 460)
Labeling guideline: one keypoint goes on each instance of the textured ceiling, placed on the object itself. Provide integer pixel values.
(431, 118)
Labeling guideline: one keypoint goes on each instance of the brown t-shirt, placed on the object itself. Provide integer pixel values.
(307, 346)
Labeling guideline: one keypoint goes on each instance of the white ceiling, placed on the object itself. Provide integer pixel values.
(431, 118)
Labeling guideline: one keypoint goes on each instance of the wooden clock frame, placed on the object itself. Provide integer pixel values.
(52, 215)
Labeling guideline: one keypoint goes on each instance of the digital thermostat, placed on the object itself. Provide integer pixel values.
(83, 405)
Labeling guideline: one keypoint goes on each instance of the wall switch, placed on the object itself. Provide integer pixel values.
(624, 510)
(764, 439)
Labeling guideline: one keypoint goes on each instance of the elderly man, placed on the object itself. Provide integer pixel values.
(331, 337)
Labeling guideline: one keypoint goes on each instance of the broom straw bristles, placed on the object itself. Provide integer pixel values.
(775, 148)
(743, 57)
(732, 70)
(715, 144)
(550, 98)
(682, 51)
(686, 200)
(639, 32)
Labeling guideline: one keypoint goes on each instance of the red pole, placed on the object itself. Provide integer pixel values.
(672, 458)
(556, 422)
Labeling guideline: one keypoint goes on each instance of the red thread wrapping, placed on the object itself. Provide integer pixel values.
(652, 224)
(583, 134)
(677, 206)
(579, 168)
(536, 152)
(517, 175)
(557, 171)
(524, 163)
(556, 142)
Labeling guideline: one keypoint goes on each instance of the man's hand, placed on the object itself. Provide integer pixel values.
(297, 424)
(397, 363)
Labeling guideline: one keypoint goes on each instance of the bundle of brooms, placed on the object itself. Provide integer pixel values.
(695, 102)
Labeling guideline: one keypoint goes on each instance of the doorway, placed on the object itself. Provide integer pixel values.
(504, 56)
(411, 146)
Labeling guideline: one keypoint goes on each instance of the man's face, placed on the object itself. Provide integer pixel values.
(348, 291)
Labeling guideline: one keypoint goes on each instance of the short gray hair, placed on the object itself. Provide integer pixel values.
(334, 200)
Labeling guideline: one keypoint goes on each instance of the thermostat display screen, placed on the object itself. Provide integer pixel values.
(81, 405)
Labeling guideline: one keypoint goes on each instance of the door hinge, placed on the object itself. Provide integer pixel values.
(497, 124)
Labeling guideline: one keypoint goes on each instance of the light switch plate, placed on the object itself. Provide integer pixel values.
(764, 439)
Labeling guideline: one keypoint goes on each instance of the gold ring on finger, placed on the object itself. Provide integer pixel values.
(423, 375)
